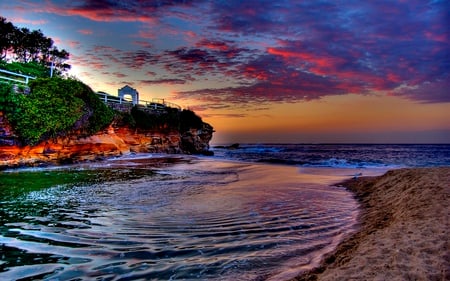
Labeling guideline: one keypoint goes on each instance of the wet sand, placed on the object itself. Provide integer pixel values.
(404, 232)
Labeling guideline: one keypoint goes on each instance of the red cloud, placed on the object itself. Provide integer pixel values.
(321, 65)
(213, 45)
(119, 75)
(191, 34)
(143, 44)
(162, 81)
(85, 31)
(74, 44)
(98, 11)
(106, 14)
(28, 21)
(146, 34)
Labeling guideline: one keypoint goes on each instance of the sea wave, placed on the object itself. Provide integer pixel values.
(340, 155)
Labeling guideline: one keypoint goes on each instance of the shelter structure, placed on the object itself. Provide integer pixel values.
(129, 91)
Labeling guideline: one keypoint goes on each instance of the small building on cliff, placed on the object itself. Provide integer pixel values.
(129, 91)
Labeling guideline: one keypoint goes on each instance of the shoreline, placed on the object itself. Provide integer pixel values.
(404, 229)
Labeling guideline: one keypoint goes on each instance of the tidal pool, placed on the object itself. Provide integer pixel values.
(169, 219)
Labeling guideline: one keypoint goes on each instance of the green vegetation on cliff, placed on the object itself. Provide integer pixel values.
(172, 119)
(57, 106)
(54, 107)
(50, 107)
(33, 69)
(46, 111)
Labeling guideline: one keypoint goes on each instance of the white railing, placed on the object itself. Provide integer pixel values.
(157, 104)
(107, 98)
(166, 103)
(15, 75)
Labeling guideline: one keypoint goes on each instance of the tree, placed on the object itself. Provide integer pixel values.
(59, 59)
(37, 45)
(6, 33)
(19, 42)
(31, 46)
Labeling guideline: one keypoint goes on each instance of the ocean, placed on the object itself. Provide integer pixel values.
(256, 212)
(341, 155)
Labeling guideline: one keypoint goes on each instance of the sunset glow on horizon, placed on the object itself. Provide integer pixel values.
(267, 71)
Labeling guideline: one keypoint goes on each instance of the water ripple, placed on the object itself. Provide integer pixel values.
(226, 222)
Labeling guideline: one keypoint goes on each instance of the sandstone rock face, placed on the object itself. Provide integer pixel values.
(114, 141)
(197, 140)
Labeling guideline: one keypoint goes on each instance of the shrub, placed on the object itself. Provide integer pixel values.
(31, 69)
(124, 119)
(99, 115)
(144, 120)
(8, 99)
(189, 119)
(49, 110)
(172, 119)
(53, 108)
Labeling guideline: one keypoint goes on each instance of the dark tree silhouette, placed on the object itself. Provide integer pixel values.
(23, 45)
(6, 33)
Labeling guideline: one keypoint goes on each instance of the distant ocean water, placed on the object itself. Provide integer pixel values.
(340, 155)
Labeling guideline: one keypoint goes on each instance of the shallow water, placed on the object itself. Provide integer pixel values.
(131, 219)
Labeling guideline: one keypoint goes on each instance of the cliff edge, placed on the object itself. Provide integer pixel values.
(115, 140)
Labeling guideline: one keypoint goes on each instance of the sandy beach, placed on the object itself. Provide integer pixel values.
(404, 232)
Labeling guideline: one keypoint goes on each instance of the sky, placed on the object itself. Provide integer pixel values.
(267, 71)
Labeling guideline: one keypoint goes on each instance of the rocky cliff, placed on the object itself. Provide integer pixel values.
(113, 141)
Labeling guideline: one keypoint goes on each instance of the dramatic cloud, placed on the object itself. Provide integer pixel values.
(119, 75)
(109, 11)
(85, 31)
(27, 21)
(345, 48)
(427, 92)
(162, 81)
(270, 51)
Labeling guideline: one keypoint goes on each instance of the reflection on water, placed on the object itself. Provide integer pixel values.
(131, 219)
